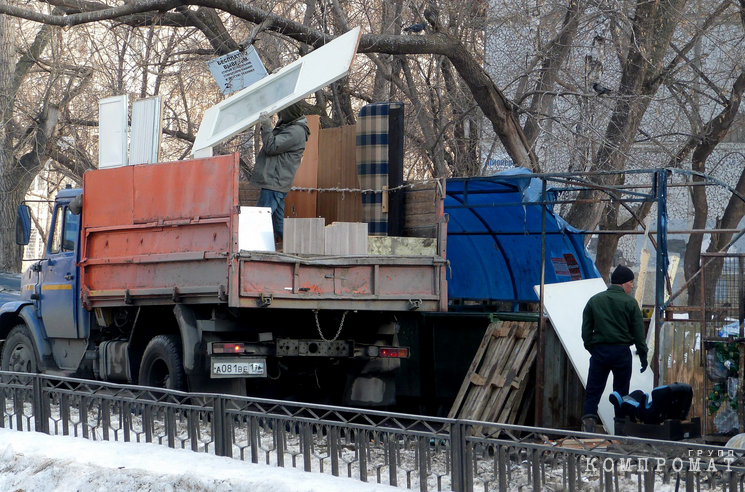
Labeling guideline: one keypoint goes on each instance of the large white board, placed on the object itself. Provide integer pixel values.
(279, 90)
(112, 131)
(147, 125)
(564, 303)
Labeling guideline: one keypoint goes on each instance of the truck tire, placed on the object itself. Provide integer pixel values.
(162, 364)
(19, 352)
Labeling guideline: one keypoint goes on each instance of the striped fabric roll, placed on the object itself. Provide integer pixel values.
(372, 163)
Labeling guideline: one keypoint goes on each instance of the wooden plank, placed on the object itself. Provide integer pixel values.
(499, 381)
(506, 372)
(643, 264)
(509, 415)
(477, 380)
(338, 169)
(524, 331)
(498, 346)
(521, 356)
(504, 347)
(422, 196)
(421, 231)
(302, 204)
(421, 208)
(554, 382)
(472, 370)
(691, 372)
(672, 270)
(682, 353)
(419, 220)
(504, 330)
(472, 397)
(421, 186)
(669, 348)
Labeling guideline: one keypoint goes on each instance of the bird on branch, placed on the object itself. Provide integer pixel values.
(432, 14)
(600, 90)
(419, 27)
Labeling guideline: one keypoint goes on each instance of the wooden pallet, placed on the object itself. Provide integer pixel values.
(496, 387)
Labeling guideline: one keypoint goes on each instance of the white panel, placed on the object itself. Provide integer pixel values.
(112, 132)
(147, 124)
(346, 238)
(304, 235)
(564, 303)
(255, 230)
(304, 76)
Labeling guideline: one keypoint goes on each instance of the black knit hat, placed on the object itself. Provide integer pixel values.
(621, 275)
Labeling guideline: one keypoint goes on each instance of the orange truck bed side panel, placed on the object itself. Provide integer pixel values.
(159, 227)
(108, 197)
(183, 190)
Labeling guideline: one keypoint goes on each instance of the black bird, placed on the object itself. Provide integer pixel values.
(601, 91)
(432, 15)
(415, 28)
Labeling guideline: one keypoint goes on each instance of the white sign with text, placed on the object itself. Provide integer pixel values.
(237, 70)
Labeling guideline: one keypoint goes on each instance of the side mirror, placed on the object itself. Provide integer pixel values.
(23, 225)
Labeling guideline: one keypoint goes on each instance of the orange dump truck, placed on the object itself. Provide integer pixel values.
(149, 285)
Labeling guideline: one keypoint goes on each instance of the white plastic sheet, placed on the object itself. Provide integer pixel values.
(255, 230)
(564, 303)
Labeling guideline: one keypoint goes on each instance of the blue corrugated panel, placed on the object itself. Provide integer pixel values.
(488, 264)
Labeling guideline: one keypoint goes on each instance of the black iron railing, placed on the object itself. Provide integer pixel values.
(407, 451)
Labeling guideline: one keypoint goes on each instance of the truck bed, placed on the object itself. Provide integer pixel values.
(168, 233)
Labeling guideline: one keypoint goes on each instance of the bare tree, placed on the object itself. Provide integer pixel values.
(32, 97)
(487, 95)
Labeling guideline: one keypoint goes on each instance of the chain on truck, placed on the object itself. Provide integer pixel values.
(144, 281)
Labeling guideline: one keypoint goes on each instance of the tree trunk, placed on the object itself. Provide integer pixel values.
(11, 194)
(16, 174)
(607, 243)
(556, 54)
(653, 27)
(713, 133)
(10, 253)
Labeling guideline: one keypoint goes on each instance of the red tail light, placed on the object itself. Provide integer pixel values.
(227, 348)
(394, 352)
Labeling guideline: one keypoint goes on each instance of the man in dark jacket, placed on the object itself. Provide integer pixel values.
(279, 160)
(611, 322)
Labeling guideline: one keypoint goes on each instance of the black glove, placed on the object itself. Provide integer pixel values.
(644, 365)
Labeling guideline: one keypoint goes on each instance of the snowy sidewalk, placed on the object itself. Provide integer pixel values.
(35, 462)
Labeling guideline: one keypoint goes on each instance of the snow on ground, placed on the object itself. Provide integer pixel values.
(34, 462)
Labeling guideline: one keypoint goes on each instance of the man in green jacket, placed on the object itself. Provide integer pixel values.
(611, 322)
(278, 161)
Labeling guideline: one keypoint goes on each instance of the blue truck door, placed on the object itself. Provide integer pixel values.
(59, 279)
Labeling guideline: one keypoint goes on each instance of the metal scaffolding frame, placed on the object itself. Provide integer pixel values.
(655, 191)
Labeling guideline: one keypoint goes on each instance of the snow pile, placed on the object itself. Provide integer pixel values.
(32, 462)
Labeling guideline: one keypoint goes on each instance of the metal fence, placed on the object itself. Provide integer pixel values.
(407, 451)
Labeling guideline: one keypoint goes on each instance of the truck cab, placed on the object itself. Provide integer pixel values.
(49, 313)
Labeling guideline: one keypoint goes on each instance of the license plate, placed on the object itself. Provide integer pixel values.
(238, 368)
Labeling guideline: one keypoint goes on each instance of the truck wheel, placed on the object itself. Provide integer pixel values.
(19, 352)
(162, 364)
